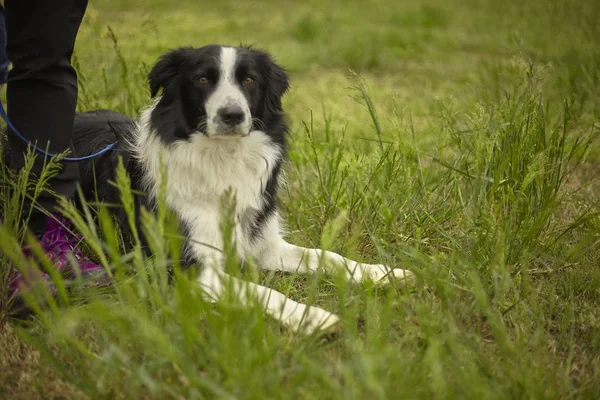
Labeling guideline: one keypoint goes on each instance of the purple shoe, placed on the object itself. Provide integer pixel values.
(58, 243)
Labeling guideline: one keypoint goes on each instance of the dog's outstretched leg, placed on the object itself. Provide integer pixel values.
(290, 258)
(279, 255)
(215, 282)
(296, 316)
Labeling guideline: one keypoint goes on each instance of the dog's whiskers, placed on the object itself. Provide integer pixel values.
(202, 124)
(257, 122)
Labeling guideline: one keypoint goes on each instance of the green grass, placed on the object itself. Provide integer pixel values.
(463, 146)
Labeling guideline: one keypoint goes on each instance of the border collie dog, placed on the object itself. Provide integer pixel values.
(217, 125)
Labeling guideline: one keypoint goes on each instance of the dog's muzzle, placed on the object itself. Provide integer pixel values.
(231, 115)
(230, 121)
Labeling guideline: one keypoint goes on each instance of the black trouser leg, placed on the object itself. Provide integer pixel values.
(42, 85)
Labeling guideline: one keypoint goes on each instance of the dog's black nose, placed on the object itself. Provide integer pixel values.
(231, 115)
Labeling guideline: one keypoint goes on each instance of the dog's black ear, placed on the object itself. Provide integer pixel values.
(166, 69)
(277, 85)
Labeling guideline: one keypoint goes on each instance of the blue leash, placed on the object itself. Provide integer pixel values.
(46, 153)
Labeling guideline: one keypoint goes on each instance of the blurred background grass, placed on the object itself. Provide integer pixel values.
(414, 53)
(483, 178)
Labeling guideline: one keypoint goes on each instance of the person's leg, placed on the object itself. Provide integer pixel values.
(42, 85)
(4, 62)
(42, 96)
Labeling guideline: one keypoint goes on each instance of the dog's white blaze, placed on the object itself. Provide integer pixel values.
(227, 93)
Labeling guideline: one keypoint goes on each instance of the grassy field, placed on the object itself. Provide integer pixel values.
(457, 139)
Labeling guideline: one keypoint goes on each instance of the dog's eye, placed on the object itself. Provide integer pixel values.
(248, 81)
(203, 80)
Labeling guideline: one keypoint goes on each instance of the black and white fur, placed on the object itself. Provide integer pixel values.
(218, 125)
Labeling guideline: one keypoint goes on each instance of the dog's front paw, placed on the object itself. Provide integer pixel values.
(310, 320)
(381, 274)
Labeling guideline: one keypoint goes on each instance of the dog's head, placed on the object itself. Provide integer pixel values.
(221, 92)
